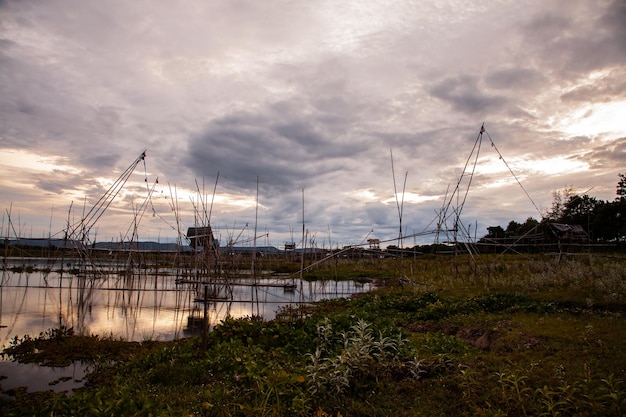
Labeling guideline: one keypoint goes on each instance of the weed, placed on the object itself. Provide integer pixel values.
(613, 392)
(334, 368)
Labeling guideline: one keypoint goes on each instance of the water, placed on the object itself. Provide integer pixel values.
(143, 307)
(41, 378)
(136, 307)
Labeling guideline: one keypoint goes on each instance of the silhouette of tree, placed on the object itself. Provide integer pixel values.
(621, 188)
(559, 199)
(604, 221)
(578, 210)
(495, 232)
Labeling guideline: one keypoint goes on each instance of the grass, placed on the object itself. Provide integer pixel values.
(489, 336)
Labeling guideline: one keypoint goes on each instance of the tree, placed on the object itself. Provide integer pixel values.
(604, 221)
(621, 188)
(495, 232)
(608, 223)
(513, 228)
(559, 198)
(618, 210)
(528, 226)
(579, 210)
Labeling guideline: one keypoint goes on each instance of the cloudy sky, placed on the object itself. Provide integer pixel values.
(312, 101)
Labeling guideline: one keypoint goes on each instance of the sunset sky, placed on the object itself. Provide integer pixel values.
(309, 99)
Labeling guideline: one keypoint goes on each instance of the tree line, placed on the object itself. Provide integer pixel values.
(603, 221)
(600, 221)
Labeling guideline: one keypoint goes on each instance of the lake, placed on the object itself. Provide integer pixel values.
(142, 306)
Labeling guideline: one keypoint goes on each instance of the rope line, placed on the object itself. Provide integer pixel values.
(511, 171)
(446, 212)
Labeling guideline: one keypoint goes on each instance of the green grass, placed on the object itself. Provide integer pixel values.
(490, 336)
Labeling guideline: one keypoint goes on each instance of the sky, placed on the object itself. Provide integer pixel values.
(353, 118)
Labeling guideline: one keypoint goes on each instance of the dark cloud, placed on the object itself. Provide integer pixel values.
(42, 110)
(515, 79)
(465, 95)
(611, 87)
(546, 26)
(286, 150)
(578, 39)
(59, 182)
(614, 20)
(607, 154)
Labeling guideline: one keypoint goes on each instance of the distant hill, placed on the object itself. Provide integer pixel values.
(143, 246)
(147, 246)
(61, 243)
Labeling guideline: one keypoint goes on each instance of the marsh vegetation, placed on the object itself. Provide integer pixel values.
(483, 335)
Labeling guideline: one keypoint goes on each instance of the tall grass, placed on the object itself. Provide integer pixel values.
(601, 277)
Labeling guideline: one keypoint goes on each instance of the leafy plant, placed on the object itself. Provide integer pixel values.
(335, 367)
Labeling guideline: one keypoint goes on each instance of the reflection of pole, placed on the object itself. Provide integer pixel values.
(6, 244)
(205, 321)
(255, 290)
(303, 244)
(1, 285)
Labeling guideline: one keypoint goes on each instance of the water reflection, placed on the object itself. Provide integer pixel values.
(41, 378)
(146, 305)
